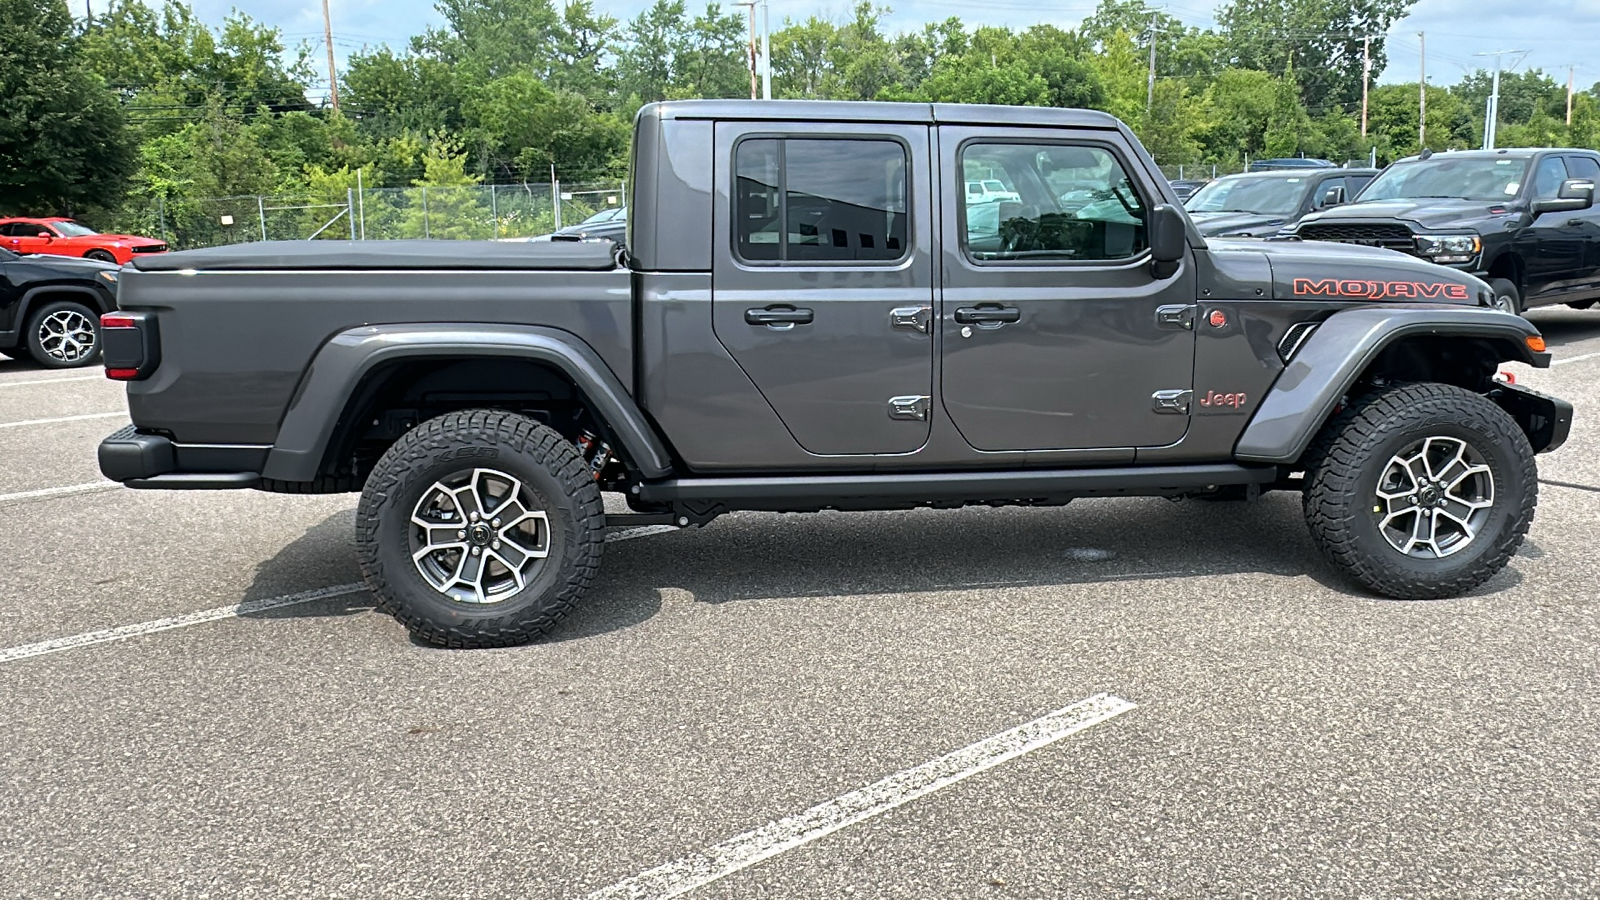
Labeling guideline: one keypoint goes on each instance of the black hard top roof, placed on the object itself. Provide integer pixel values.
(856, 111)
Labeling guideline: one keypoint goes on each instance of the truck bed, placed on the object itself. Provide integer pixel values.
(569, 256)
(239, 326)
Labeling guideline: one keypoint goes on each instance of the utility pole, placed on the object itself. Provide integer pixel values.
(1491, 114)
(1569, 96)
(1150, 87)
(1366, 73)
(1422, 93)
(333, 75)
(751, 5)
(766, 50)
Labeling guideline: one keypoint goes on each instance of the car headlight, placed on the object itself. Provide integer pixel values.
(1449, 248)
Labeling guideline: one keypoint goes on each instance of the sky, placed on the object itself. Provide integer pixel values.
(1554, 33)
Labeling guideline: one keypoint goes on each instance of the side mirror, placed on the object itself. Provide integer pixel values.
(45, 234)
(1169, 238)
(1575, 194)
(1334, 197)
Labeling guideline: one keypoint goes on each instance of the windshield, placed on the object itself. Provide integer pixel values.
(994, 186)
(604, 215)
(72, 229)
(1263, 195)
(1479, 178)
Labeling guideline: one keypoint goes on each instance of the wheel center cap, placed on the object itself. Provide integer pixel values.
(480, 534)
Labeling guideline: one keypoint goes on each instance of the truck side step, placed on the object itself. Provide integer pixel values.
(889, 490)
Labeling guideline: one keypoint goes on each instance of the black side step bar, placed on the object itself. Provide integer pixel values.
(800, 492)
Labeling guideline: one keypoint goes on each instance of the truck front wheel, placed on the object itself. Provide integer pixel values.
(479, 529)
(1420, 491)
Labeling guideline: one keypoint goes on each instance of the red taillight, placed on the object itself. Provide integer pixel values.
(122, 374)
(112, 320)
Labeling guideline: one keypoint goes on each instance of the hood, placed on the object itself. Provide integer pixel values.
(1349, 273)
(1428, 212)
(1212, 224)
(67, 265)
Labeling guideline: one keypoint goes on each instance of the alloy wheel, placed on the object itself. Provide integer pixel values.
(479, 536)
(67, 335)
(1434, 497)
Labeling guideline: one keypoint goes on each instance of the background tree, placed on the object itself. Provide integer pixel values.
(63, 138)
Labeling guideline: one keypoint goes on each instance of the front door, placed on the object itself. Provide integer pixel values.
(1556, 239)
(822, 285)
(1056, 332)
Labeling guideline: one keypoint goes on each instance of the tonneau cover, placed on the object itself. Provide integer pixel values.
(597, 256)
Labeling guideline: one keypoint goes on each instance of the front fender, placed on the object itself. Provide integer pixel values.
(343, 362)
(1342, 347)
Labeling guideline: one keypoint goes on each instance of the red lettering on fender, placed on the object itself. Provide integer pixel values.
(1379, 290)
(1212, 399)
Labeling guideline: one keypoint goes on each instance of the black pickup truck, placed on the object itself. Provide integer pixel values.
(810, 312)
(1522, 220)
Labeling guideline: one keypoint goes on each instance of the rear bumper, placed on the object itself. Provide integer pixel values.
(156, 462)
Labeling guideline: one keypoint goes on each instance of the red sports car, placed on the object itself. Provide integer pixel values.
(64, 237)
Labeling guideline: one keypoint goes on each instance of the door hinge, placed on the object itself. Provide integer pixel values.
(917, 318)
(1171, 403)
(1176, 316)
(913, 407)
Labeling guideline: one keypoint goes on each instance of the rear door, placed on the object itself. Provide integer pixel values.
(1056, 333)
(822, 289)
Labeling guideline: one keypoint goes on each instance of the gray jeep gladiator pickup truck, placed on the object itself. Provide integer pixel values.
(811, 312)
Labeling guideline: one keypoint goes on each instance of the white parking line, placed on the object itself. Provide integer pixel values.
(700, 869)
(6, 384)
(111, 415)
(85, 488)
(1573, 359)
(122, 633)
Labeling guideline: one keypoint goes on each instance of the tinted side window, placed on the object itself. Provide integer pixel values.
(1583, 167)
(1075, 204)
(1356, 184)
(1547, 179)
(800, 200)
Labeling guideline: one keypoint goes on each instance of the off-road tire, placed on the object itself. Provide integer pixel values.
(1506, 295)
(1349, 456)
(50, 312)
(439, 448)
(100, 256)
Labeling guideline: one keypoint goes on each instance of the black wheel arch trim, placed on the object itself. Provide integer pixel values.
(345, 361)
(1323, 370)
(100, 304)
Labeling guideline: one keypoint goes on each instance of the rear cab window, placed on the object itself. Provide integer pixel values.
(808, 200)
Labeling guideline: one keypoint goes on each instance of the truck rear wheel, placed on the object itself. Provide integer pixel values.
(479, 529)
(1420, 491)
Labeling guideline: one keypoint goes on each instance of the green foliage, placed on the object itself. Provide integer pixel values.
(155, 117)
(63, 137)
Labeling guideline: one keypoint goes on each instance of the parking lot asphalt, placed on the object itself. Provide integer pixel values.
(1291, 736)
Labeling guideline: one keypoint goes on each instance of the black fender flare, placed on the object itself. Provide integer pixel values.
(97, 299)
(1342, 347)
(345, 360)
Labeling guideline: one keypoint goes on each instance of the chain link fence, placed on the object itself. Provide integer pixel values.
(461, 213)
